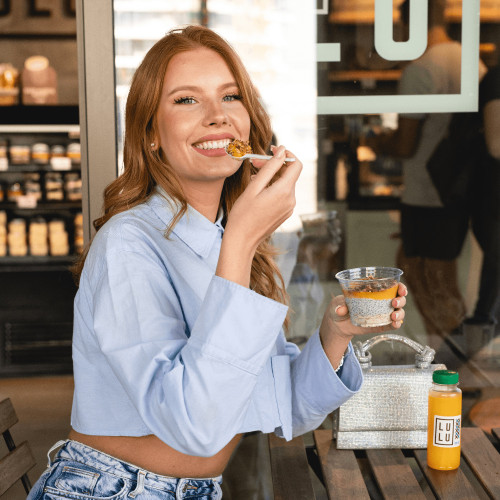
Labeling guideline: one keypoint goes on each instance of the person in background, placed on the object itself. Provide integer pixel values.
(486, 212)
(179, 347)
(432, 235)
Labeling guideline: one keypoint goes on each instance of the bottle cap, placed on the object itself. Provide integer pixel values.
(445, 377)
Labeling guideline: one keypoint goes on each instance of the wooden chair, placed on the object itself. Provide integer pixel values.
(19, 460)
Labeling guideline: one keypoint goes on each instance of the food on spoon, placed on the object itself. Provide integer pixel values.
(238, 148)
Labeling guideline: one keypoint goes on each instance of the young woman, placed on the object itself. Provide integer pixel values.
(178, 330)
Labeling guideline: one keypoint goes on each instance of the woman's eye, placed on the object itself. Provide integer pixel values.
(184, 100)
(232, 97)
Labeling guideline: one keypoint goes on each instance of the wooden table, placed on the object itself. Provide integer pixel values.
(388, 474)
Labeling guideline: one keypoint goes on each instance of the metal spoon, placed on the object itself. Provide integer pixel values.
(252, 155)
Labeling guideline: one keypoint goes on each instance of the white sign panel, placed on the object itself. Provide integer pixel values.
(413, 48)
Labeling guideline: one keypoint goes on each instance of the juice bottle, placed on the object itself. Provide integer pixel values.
(444, 422)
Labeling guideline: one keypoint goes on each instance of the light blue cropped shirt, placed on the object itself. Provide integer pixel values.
(163, 346)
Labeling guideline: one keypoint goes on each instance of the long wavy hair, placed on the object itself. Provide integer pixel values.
(145, 168)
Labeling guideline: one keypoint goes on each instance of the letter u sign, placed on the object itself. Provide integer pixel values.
(417, 41)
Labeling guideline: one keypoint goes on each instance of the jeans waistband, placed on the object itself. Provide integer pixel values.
(73, 450)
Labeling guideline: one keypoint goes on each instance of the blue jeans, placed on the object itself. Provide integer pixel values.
(83, 473)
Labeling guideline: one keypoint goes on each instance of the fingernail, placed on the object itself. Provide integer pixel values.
(337, 308)
(280, 152)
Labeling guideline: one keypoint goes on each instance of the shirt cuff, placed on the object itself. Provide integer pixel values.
(324, 389)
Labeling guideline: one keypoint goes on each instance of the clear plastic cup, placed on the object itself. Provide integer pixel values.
(368, 293)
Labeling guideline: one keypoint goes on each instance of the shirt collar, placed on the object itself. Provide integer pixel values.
(193, 228)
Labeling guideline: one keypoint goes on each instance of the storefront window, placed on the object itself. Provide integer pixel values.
(276, 41)
(335, 77)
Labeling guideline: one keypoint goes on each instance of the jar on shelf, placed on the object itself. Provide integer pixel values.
(40, 153)
(58, 238)
(4, 148)
(74, 153)
(78, 223)
(54, 186)
(20, 154)
(3, 233)
(73, 186)
(14, 191)
(57, 151)
(16, 238)
(32, 185)
(38, 237)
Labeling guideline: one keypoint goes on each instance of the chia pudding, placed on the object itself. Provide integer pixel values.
(368, 293)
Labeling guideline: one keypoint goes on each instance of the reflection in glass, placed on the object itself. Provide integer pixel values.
(367, 183)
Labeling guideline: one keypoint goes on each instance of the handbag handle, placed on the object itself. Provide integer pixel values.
(423, 358)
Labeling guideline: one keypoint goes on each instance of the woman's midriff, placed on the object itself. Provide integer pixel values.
(152, 454)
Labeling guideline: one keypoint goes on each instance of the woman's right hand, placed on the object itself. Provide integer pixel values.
(256, 214)
(262, 208)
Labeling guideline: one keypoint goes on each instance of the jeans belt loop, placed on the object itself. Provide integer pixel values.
(141, 475)
(57, 445)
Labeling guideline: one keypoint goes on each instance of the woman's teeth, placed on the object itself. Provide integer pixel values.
(213, 144)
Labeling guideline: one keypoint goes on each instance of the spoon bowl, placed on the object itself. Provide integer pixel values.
(253, 155)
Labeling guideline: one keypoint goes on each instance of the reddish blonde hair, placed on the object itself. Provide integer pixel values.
(145, 168)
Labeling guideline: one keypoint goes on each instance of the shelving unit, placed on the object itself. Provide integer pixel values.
(36, 292)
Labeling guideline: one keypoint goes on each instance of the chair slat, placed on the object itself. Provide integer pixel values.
(483, 459)
(449, 485)
(394, 475)
(290, 469)
(8, 416)
(496, 432)
(341, 473)
(14, 465)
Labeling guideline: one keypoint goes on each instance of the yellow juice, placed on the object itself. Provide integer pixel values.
(444, 429)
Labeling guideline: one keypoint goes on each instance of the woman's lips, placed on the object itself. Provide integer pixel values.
(212, 145)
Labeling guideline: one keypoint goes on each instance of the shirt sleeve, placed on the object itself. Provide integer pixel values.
(415, 80)
(191, 388)
(316, 389)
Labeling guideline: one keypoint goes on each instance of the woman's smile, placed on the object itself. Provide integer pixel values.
(213, 145)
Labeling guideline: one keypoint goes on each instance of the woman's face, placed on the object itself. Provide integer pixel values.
(200, 111)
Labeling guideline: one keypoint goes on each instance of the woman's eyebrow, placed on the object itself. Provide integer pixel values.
(195, 88)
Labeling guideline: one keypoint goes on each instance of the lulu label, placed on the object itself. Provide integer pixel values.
(446, 431)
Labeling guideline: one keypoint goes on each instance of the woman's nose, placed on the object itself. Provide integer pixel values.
(215, 114)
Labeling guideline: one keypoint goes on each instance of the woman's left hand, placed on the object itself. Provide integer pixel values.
(337, 330)
(338, 315)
